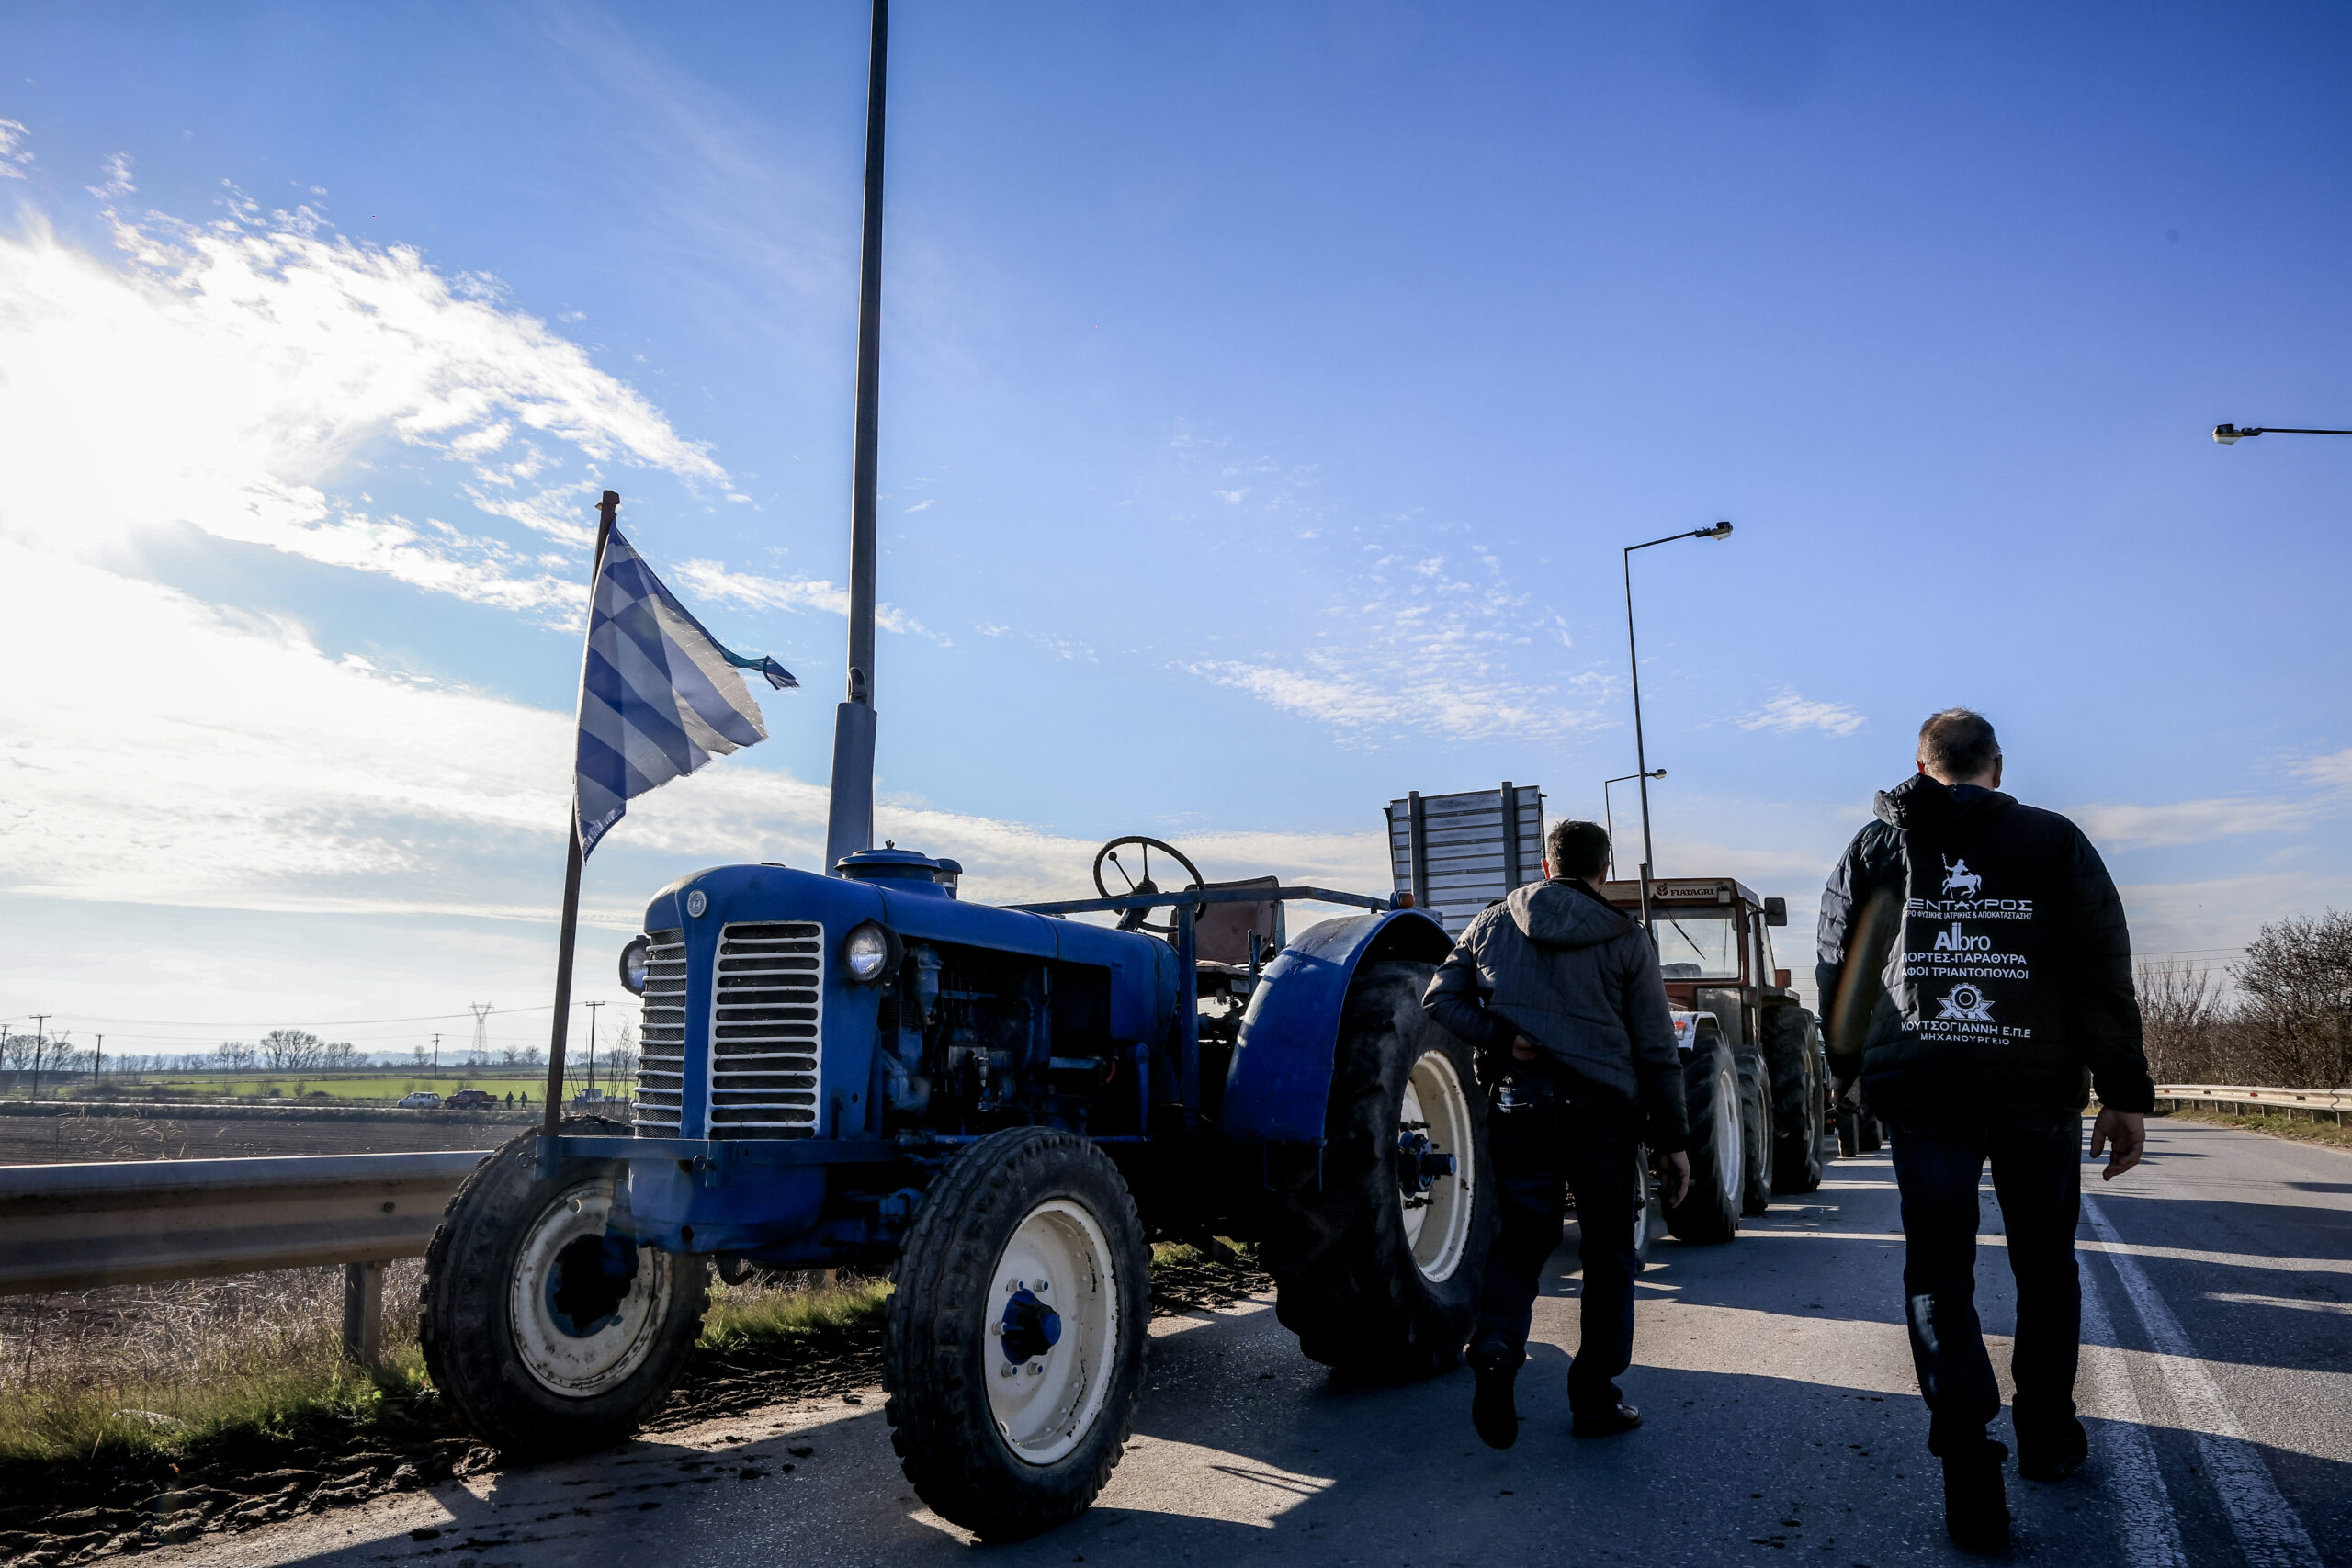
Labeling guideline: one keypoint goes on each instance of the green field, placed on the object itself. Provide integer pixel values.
(349, 1087)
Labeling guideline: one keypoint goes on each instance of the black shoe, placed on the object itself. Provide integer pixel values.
(1608, 1423)
(2053, 1456)
(1976, 1506)
(1494, 1410)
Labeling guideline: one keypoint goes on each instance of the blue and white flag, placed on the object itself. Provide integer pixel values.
(658, 696)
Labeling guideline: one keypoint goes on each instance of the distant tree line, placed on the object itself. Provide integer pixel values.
(2285, 1022)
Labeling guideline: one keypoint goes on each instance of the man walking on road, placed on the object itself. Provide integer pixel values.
(1975, 975)
(1561, 996)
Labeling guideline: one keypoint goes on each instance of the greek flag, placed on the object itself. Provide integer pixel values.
(658, 696)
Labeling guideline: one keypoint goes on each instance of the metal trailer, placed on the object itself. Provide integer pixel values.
(1005, 1105)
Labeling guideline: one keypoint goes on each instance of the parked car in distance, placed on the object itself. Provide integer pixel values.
(423, 1100)
(469, 1099)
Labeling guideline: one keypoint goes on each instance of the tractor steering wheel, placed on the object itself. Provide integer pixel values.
(1132, 920)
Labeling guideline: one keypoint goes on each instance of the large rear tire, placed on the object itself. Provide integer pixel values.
(1710, 1211)
(1378, 1264)
(1012, 1346)
(1758, 1142)
(1792, 1049)
(547, 1336)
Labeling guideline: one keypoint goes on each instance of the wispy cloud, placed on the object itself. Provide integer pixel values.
(924, 506)
(1789, 713)
(235, 377)
(713, 579)
(14, 154)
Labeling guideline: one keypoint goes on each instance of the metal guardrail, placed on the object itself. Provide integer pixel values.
(2312, 1101)
(70, 1227)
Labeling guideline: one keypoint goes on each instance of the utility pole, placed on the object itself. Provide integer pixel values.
(849, 812)
(436, 1056)
(592, 1048)
(98, 1068)
(40, 1024)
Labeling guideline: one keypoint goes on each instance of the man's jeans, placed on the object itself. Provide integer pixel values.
(1540, 1150)
(2037, 1159)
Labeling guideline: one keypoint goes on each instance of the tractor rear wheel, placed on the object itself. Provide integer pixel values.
(1758, 1141)
(1377, 1265)
(1792, 1049)
(1709, 1210)
(1012, 1346)
(548, 1335)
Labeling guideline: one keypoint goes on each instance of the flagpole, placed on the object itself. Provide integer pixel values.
(552, 1118)
(848, 824)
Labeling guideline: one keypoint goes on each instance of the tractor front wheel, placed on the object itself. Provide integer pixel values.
(1378, 1257)
(1710, 1211)
(1012, 1345)
(548, 1334)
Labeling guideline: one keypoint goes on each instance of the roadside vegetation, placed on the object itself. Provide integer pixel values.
(2281, 1019)
(142, 1414)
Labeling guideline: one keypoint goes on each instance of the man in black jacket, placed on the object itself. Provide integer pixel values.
(1561, 996)
(1975, 974)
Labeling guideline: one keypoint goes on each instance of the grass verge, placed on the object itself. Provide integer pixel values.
(2302, 1130)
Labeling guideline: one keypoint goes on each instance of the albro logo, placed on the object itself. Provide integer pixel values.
(1954, 941)
(1968, 1003)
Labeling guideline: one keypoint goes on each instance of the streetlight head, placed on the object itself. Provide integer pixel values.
(1720, 531)
(2227, 434)
(1658, 773)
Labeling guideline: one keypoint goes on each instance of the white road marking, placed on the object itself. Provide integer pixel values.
(2297, 1303)
(2268, 1531)
(2151, 1536)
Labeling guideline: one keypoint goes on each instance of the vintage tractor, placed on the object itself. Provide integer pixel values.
(1756, 1080)
(1005, 1105)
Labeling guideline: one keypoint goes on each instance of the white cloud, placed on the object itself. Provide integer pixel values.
(1789, 713)
(1232, 497)
(2334, 770)
(2181, 822)
(712, 580)
(117, 181)
(229, 377)
(12, 156)
(924, 506)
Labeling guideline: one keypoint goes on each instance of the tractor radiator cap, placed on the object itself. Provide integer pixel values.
(892, 864)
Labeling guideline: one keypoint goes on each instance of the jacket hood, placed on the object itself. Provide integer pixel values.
(1921, 805)
(1562, 914)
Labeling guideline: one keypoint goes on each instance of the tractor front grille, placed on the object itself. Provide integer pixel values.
(662, 1044)
(766, 1014)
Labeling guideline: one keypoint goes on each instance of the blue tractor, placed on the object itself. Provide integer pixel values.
(1005, 1107)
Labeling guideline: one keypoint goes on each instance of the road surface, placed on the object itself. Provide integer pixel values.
(1782, 1423)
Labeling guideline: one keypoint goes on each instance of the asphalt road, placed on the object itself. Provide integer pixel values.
(1782, 1420)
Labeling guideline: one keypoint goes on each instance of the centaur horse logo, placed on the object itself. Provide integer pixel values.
(1958, 879)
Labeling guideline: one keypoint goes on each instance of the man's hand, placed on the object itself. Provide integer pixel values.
(1673, 1176)
(1522, 1049)
(2129, 1132)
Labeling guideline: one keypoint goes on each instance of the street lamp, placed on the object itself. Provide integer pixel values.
(2228, 434)
(1608, 815)
(1634, 657)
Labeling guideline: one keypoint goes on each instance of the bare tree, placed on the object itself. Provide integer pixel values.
(2297, 981)
(292, 1050)
(339, 1056)
(2186, 1026)
(233, 1055)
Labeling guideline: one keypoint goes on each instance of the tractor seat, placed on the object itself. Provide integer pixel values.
(1221, 936)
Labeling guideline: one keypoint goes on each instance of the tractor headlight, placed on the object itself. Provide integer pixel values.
(868, 952)
(634, 958)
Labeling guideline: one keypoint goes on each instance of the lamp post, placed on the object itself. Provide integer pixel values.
(1609, 813)
(1634, 657)
(2228, 435)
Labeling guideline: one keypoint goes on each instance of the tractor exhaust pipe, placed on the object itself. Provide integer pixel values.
(849, 825)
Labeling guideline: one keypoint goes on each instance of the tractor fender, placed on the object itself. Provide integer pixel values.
(1281, 1076)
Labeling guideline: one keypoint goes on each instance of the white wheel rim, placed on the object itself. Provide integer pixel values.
(1437, 1216)
(1641, 1206)
(1731, 1142)
(548, 1341)
(1046, 1402)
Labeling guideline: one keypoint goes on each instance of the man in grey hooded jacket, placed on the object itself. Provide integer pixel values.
(1560, 994)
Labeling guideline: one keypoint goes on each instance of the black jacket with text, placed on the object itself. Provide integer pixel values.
(1973, 954)
(1558, 963)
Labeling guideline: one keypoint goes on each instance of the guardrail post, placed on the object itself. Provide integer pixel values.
(363, 1312)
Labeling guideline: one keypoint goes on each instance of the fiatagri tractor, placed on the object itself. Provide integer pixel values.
(1005, 1106)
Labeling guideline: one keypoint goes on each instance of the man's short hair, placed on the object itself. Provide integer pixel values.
(1577, 849)
(1958, 743)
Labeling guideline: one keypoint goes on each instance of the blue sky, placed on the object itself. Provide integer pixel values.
(1268, 390)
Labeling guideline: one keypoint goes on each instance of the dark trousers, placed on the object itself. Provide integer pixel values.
(1539, 1151)
(2038, 1176)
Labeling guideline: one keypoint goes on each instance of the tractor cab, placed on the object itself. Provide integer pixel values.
(1715, 947)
